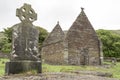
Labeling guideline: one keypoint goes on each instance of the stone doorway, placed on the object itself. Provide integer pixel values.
(84, 56)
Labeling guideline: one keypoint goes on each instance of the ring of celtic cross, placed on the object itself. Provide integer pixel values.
(26, 13)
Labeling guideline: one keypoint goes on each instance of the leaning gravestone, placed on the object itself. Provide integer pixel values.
(24, 56)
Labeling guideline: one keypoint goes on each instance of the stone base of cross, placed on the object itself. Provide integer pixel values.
(22, 66)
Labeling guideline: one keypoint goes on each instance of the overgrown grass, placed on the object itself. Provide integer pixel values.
(2, 66)
(67, 68)
(114, 69)
(60, 68)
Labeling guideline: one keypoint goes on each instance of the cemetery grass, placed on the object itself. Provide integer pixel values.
(2, 66)
(114, 69)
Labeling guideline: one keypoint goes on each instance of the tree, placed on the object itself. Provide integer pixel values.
(8, 33)
(42, 35)
(5, 43)
(111, 43)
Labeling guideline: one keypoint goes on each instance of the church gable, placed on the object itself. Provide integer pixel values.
(52, 50)
(82, 41)
(55, 36)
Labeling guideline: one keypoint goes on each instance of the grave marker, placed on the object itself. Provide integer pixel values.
(24, 55)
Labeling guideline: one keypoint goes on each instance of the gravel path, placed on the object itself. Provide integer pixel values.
(55, 76)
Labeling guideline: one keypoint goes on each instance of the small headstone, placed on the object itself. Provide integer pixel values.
(114, 61)
(24, 55)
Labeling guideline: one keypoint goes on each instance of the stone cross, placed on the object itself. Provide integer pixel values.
(24, 55)
(26, 14)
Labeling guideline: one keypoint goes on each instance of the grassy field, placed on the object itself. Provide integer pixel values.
(52, 68)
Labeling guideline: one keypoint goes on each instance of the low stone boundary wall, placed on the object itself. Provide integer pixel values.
(4, 55)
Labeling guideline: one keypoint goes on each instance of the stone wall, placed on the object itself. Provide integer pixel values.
(53, 47)
(53, 54)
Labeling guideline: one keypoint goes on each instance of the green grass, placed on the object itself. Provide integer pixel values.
(60, 68)
(2, 66)
(115, 69)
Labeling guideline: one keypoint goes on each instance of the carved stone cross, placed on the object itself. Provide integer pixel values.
(25, 53)
(26, 13)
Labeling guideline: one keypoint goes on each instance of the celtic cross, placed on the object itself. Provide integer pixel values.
(26, 13)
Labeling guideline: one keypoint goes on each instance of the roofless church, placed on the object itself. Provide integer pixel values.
(79, 46)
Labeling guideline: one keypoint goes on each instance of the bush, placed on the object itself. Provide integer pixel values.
(111, 43)
(6, 48)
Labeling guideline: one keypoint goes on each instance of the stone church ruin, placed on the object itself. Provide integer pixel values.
(79, 46)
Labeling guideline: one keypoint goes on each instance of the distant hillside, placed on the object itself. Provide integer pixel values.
(116, 31)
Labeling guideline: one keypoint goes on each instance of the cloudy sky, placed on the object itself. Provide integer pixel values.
(103, 14)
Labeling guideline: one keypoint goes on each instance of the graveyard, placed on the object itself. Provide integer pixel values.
(72, 55)
(68, 69)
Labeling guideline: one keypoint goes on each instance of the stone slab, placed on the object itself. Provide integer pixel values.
(15, 67)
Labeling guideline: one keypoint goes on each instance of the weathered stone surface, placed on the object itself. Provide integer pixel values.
(26, 14)
(25, 42)
(57, 35)
(83, 43)
(53, 46)
(22, 66)
(80, 46)
(25, 35)
(24, 55)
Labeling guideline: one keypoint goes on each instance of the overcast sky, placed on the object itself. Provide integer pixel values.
(103, 14)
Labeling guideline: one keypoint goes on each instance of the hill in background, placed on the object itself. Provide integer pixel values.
(115, 31)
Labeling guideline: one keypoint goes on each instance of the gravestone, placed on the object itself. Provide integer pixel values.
(24, 55)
